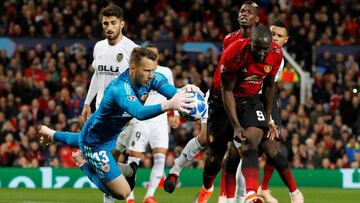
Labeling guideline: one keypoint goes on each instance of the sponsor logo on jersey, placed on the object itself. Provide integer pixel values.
(106, 68)
(105, 167)
(254, 82)
(254, 77)
(119, 57)
(267, 68)
(144, 97)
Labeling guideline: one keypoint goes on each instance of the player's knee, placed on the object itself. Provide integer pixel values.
(250, 145)
(202, 140)
(271, 148)
(233, 152)
(272, 153)
(122, 194)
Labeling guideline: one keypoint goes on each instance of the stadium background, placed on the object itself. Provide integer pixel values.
(46, 53)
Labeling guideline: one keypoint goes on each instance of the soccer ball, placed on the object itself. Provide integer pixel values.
(198, 111)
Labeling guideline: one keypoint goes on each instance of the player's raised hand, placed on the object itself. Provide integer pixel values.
(181, 101)
(192, 88)
(273, 132)
(85, 113)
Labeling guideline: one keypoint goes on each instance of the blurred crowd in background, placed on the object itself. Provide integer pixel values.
(48, 85)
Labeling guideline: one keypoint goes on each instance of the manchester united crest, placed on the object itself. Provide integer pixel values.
(119, 57)
(267, 68)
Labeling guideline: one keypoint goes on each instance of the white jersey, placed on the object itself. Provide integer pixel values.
(281, 67)
(109, 61)
(155, 97)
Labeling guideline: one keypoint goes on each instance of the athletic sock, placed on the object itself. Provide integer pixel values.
(188, 153)
(268, 171)
(157, 173)
(240, 182)
(230, 180)
(250, 169)
(282, 166)
(222, 184)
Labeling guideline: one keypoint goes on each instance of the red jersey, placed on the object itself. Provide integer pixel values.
(238, 64)
(230, 38)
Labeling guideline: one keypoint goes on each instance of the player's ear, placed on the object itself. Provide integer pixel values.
(122, 23)
(132, 67)
(257, 19)
(286, 39)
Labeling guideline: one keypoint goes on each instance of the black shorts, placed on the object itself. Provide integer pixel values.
(275, 111)
(250, 114)
(276, 115)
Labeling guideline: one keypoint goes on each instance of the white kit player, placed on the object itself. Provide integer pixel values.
(155, 132)
(111, 57)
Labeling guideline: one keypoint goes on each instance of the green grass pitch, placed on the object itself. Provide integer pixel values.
(182, 195)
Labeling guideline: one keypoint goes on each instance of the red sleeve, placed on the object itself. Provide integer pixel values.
(278, 55)
(227, 40)
(227, 63)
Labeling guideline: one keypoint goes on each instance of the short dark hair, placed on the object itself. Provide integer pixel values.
(151, 45)
(252, 4)
(260, 32)
(138, 53)
(279, 23)
(112, 10)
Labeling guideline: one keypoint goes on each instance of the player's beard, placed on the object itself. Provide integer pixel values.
(112, 37)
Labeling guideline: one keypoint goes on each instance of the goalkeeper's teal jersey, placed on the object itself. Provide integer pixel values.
(121, 102)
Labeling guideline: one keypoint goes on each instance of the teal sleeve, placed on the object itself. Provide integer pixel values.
(162, 85)
(127, 100)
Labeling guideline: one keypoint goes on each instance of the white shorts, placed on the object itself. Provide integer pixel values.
(136, 136)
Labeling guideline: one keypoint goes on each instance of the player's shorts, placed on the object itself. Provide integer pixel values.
(137, 136)
(99, 157)
(102, 161)
(250, 113)
(275, 112)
